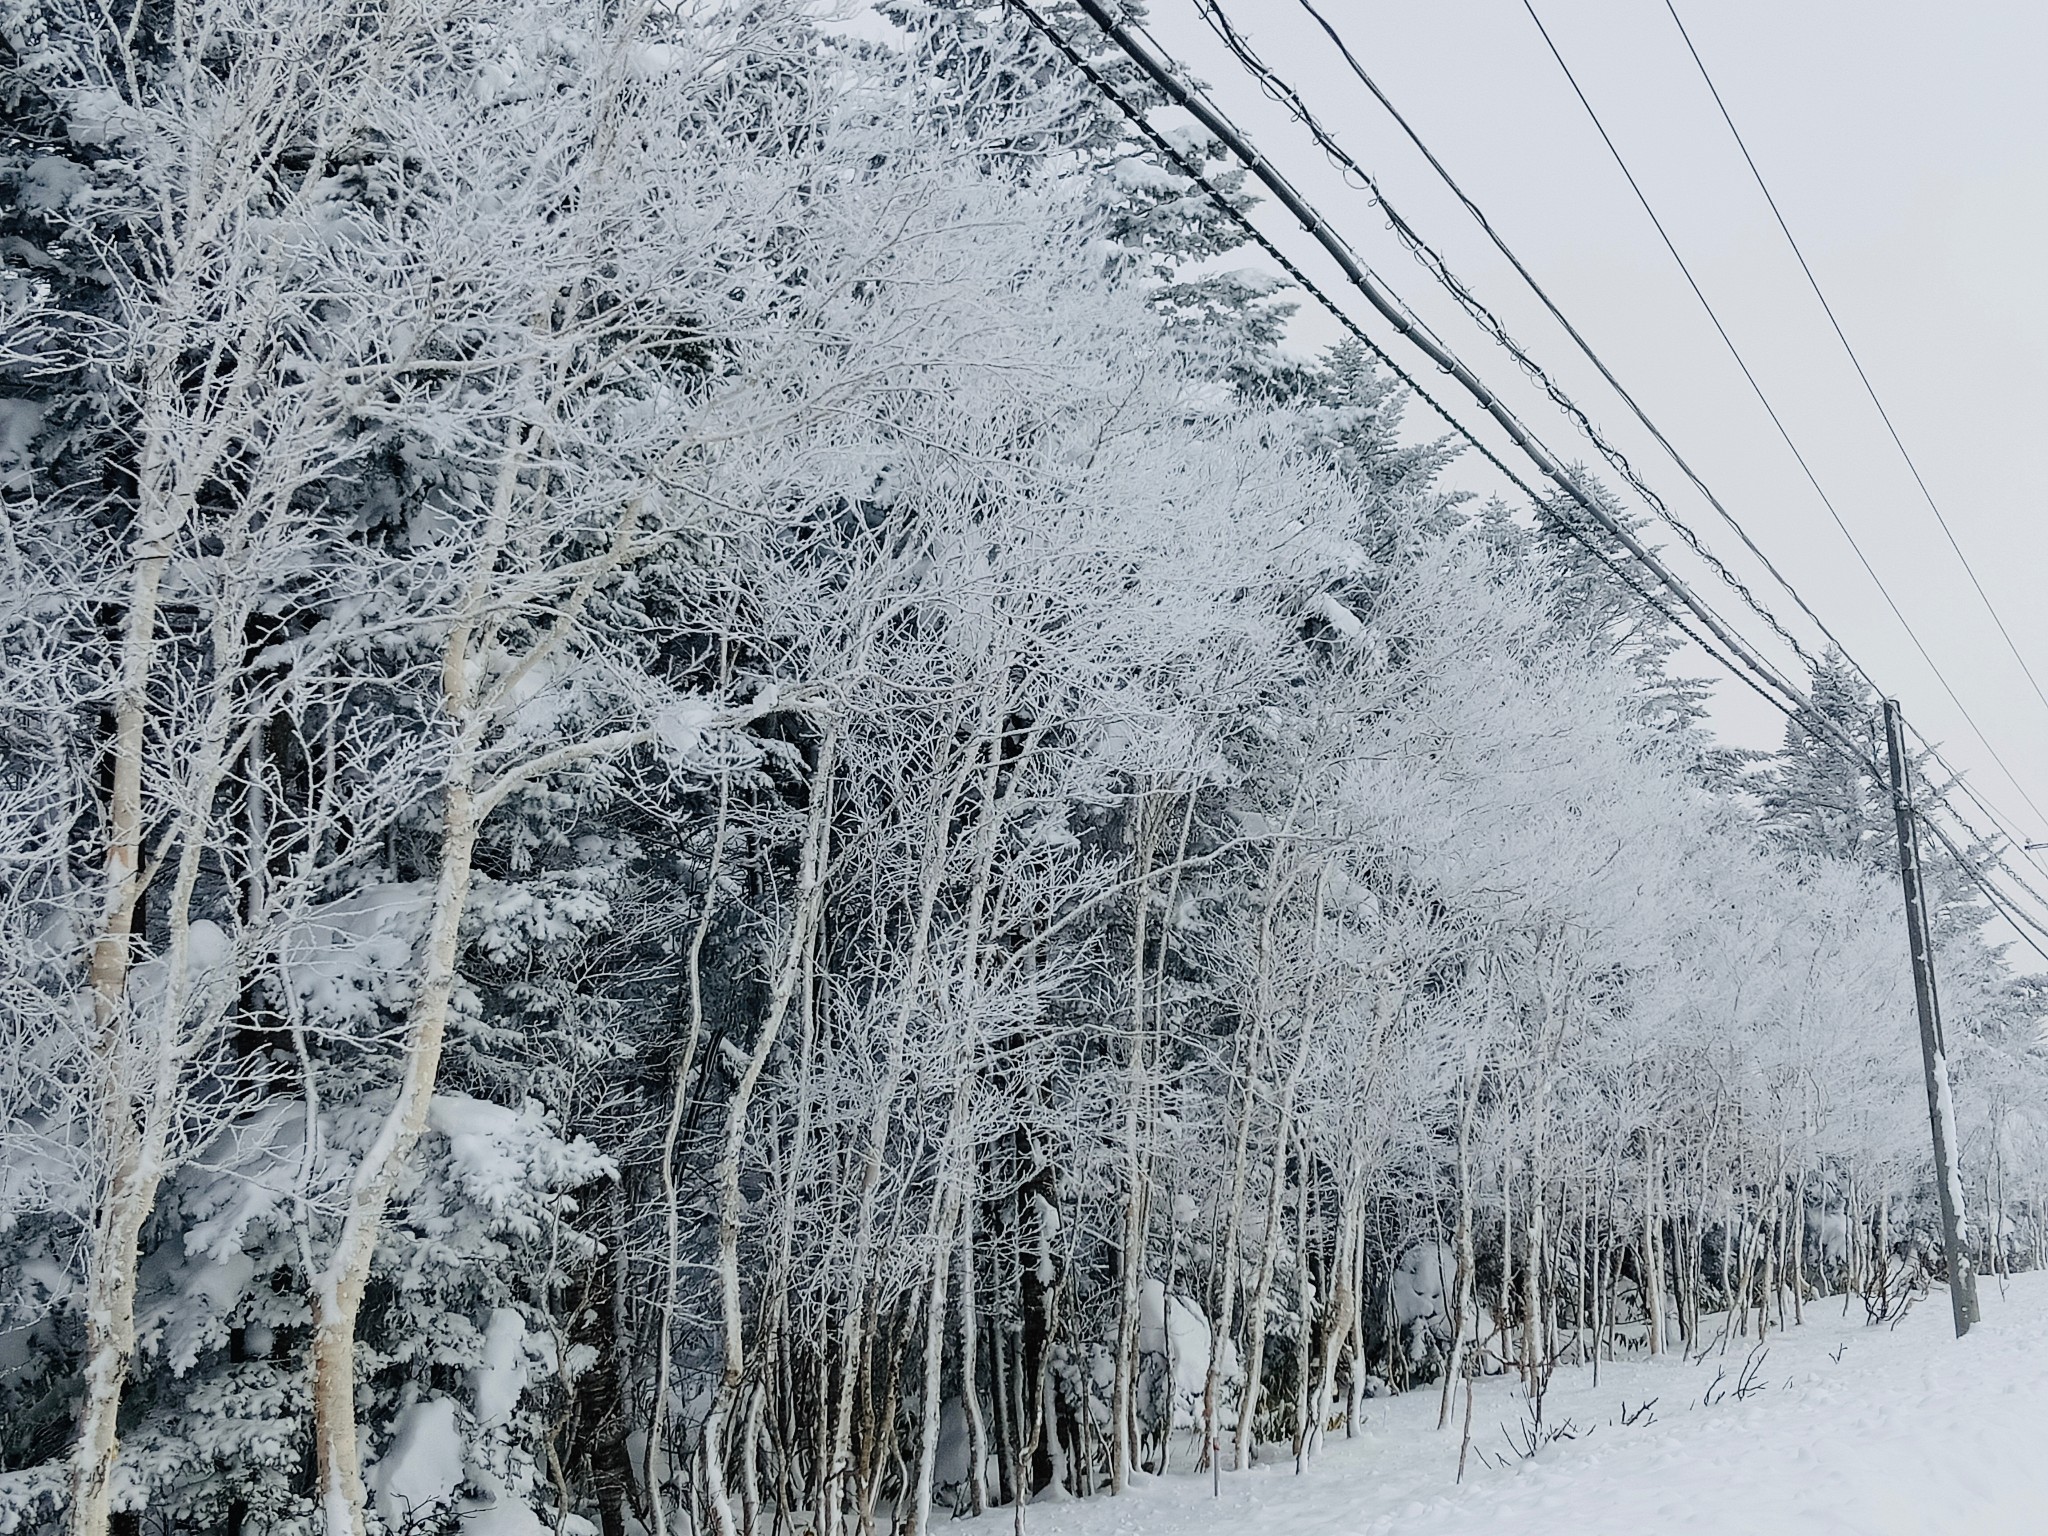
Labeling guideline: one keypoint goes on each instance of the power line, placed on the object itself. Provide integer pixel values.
(1213, 13)
(1776, 420)
(1957, 780)
(1288, 97)
(1157, 65)
(1287, 265)
(1772, 689)
(1842, 336)
(2000, 903)
(1166, 75)
(1780, 694)
(2017, 842)
(1281, 91)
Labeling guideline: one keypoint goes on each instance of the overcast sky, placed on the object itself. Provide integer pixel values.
(1908, 148)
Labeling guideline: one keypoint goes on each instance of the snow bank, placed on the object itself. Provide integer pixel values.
(1854, 1429)
(422, 1468)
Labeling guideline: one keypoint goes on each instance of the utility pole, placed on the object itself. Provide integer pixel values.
(1948, 1183)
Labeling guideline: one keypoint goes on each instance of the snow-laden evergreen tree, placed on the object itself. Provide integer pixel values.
(1820, 792)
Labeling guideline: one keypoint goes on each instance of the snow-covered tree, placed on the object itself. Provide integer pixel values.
(722, 802)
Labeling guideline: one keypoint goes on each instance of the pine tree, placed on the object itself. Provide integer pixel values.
(1818, 798)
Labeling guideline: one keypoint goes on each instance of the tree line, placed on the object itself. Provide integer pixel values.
(727, 808)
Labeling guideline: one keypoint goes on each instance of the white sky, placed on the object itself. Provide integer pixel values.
(1908, 148)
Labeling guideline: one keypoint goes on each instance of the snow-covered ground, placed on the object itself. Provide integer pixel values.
(1909, 1430)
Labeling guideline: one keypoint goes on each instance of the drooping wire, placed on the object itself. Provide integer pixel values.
(1143, 51)
(1193, 172)
(1959, 781)
(1287, 265)
(2019, 921)
(1212, 11)
(1578, 338)
(1284, 93)
(1432, 261)
(1777, 421)
(1842, 336)
(1817, 724)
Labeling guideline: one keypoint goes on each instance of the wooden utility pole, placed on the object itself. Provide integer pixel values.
(1948, 1181)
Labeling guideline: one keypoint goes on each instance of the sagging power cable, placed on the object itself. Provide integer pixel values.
(1856, 362)
(1771, 411)
(1187, 167)
(1434, 263)
(1753, 672)
(1281, 91)
(1169, 79)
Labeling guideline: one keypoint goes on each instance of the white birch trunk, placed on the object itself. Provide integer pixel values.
(810, 888)
(338, 1289)
(139, 1080)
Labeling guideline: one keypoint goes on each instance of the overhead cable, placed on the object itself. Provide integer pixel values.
(1157, 65)
(1958, 781)
(1570, 329)
(1777, 421)
(1177, 89)
(1842, 336)
(1781, 695)
(1287, 96)
(1284, 93)
(1281, 91)
(1188, 168)
(2019, 921)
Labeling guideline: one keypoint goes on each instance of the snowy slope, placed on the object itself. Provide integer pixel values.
(1910, 1431)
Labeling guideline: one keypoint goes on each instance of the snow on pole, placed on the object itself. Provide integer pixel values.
(1948, 1182)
